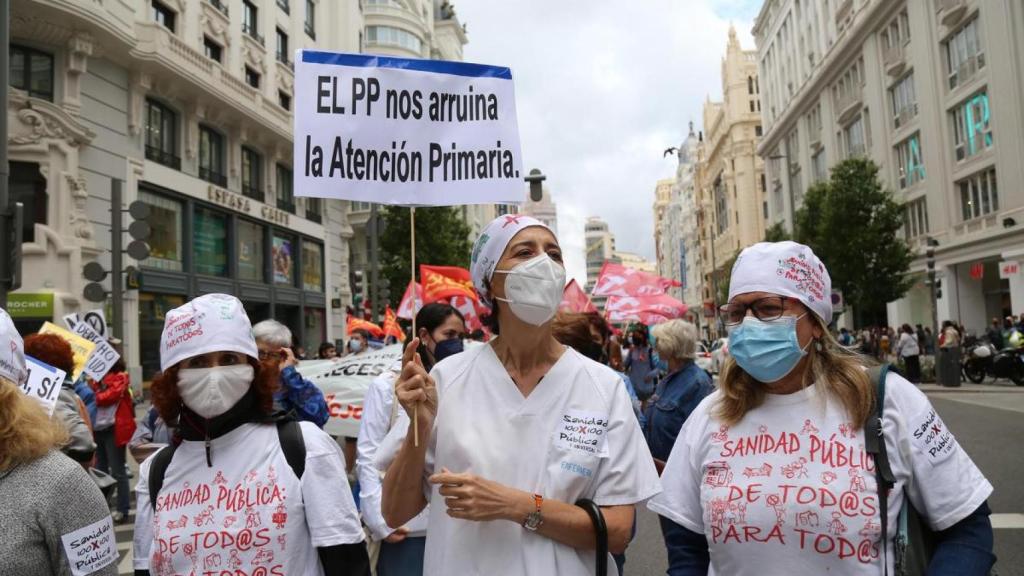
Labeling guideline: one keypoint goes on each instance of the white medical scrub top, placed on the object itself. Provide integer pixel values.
(574, 436)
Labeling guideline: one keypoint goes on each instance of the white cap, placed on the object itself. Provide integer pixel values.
(12, 351)
(209, 323)
(787, 269)
(491, 244)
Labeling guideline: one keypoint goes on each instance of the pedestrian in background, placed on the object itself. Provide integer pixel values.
(640, 365)
(790, 383)
(995, 334)
(616, 364)
(113, 429)
(297, 397)
(151, 434)
(46, 496)
(70, 410)
(929, 341)
(359, 342)
(908, 350)
(327, 351)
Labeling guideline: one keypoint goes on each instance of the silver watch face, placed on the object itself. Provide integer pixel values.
(533, 521)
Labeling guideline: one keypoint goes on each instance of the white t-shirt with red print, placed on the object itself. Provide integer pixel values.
(791, 490)
(248, 514)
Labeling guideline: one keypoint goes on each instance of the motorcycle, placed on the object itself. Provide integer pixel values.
(982, 359)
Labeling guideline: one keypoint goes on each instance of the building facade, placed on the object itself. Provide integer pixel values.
(544, 210)
(932, 92)
(600, 247)
(188, 103)
(730, 176)
(676, 230)
(666, 232)
(635, 261)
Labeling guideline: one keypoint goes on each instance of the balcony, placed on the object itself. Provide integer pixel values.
(163, 157)
(905, 115)
(950, 11)
(254, 192)
(895, 59)
(314, 217)
(213, 177)
(286, 204)
(848, 103)
(966, 70)
(220, 5)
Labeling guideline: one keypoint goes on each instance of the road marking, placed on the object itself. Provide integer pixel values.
(126, 566)
(126, 527)
(1007, 521)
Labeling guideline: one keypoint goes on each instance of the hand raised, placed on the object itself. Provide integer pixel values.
(415, 388)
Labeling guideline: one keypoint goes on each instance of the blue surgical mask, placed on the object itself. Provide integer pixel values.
(355, 346)
(446, 348)
(768, 351)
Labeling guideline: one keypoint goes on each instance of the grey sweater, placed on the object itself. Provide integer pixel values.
(39, 502)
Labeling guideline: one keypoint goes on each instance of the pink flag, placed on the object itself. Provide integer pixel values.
(410, 305)
(574, 299)
(618, 280)
(652, 309)
(470, 310)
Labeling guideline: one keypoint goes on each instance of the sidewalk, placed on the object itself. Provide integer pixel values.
(969, 388)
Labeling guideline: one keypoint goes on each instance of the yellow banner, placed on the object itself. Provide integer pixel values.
(81, 347)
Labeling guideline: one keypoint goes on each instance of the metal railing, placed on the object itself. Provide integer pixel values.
(253, 33)
(254, 192)
(213, 177)
(163, 157)
(219, 5)
(286, 205)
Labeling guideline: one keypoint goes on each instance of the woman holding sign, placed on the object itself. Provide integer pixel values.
(237, 492)
(513, 433)
(50, 503)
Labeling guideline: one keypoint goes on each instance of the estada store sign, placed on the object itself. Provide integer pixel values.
(240, 203)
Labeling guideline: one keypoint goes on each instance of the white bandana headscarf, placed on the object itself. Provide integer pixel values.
(491, 244)
(209, 323)
(787, 269)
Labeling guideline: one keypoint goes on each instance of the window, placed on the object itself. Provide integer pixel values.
(904, 101)
(284, 99)
(249, 19)
(211, 156)
(964, 54)
(312, 266)
(32, 71)
(393, 37)
(814, 123)
(314, 209)
(313, 327)
(972, 132)
(282, 257)
(978, 194)
(853, 138)
(721, 206)
(213, 50)
(252, 174)
(750, 84)
(819, 166)
(311, 19)
(210, 242)
(360, 207)
(909, 162)
(163, 15)
(758, 131)
(915, 218)
(165, 238)
(252, 77)
(282, 46)
(162, 134)
(28, 186)
(250, 251)
(897, 33)
(285, 195)
(283, 5)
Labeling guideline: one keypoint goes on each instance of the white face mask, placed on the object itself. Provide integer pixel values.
(534, 289)
(211, 392)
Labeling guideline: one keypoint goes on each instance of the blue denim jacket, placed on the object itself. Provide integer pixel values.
(678, 395)
(301, 398)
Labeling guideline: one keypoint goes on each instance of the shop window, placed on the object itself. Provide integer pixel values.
(28, 186)
(162, 134)
(153, 309)
(31, 71)
(250, 251)
(979, 195)
(211, 156)
(312, 266)
(313, 332)
(210, 242)
(285, 194)
(252, 174)
(165, 240)
(283, 259)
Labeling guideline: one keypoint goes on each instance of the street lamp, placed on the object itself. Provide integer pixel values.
(933, 282)
(536, 190)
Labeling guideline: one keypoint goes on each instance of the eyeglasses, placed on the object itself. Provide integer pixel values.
(265, 355)
(764, 309)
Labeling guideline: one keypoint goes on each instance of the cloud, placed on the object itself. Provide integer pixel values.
(602, 88)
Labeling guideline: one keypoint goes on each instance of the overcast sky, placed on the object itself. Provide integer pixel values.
(603, 87)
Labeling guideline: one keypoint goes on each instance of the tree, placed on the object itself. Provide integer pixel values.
(724, 277)
(441, 238)
(776, 233)
(851, 222)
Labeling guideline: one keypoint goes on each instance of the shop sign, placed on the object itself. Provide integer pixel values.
(30, 305)
(978, 270)
(1009, 269)
(240, 203)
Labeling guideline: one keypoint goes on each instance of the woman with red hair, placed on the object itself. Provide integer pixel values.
(70, 410)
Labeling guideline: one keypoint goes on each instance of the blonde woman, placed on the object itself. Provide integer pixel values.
(769, 475)
(45, 494)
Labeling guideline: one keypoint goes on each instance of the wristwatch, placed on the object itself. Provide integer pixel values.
(535, 519)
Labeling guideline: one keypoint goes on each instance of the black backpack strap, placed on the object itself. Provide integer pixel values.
(874, 441)
(157, 470)
(289, 433)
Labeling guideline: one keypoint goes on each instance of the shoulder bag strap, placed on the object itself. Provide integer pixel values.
(289, 434)
(874, 441)
(157, 471)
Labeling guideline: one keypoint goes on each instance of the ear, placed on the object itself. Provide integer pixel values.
(422, 333)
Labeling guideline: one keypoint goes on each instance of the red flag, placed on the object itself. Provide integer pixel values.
(618, 280)
(391, 327)
(443, 282)
(357, 323)
(574, 299)
(412, 301)
(647, 309)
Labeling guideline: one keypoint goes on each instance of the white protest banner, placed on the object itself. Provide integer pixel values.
(404, 130)
(344, 382)
(43, 383)
(103, 355)
(91, 548)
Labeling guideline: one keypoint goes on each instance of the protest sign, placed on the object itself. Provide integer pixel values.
(80, 347)
(344, 382)
(43, 383)
(91, 548)
(103, 356)
(96, 319)
(404, 130)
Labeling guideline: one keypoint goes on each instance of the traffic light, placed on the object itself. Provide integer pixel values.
(139, 230)
(938, 288)
(384, 291)
(357, 286)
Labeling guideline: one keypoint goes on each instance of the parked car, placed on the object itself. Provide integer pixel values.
(703, 357)
(719, 354)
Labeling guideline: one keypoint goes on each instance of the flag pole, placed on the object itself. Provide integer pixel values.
(412, 267)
